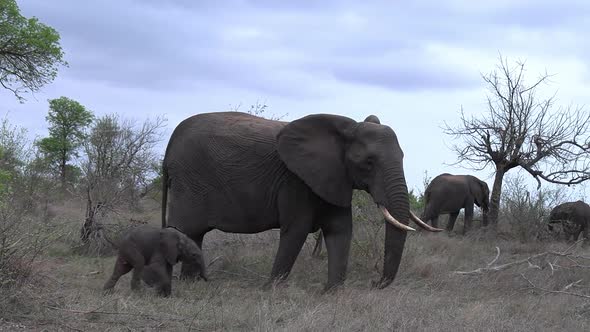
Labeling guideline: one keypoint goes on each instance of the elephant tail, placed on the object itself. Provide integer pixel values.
(164, 193)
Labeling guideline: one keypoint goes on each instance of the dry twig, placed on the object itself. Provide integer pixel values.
(490, 268)
(548, 291)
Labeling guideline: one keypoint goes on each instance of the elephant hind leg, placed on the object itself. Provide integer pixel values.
(430, 215)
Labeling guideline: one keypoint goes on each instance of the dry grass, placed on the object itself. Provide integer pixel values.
(65, 292)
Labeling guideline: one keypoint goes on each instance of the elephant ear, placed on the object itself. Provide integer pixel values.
(373, 118)
(169, 245)
(313, 148)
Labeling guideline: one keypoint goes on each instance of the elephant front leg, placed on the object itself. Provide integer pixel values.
(337, 229)
(121, 267)
(165, 284)
(136, 276)
(290, 244)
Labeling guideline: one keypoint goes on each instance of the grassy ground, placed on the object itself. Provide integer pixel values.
(65, 292)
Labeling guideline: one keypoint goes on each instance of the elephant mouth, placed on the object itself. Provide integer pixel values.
(405, 227)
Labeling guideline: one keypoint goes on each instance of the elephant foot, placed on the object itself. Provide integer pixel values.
(164, 292)
(382, 283)
(273, 284)
(331, 289)
(107, 291)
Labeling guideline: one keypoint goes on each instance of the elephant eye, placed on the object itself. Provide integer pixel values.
(368, 164)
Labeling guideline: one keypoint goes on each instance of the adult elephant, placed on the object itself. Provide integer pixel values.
(239, 173)
(448, 193)
(574, 218)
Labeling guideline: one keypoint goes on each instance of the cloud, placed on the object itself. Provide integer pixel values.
(424, 57)
(259, 45)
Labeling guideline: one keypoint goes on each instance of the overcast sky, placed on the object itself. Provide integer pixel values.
(413, 65)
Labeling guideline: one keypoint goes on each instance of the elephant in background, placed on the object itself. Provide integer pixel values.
(574, 218)
(240, 173)
(448, 193)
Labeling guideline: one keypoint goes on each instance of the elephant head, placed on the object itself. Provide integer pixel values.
(561, 212)
(481, 195)
(176, 246)
(334, 155)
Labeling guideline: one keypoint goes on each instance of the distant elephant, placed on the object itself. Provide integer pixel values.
(448, 193)
(574, 217)
(151, 252)
(240, 173)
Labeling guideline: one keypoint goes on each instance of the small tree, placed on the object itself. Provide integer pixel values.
(68, 120)
(526, 211)
(520, 129)
(13, 148)
(119, 159)
(30, 52)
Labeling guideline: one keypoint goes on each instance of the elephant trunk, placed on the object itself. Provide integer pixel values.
(485, 217)
(399, 207)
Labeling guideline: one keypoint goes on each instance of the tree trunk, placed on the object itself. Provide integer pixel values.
(88, 225)
(62, 170)
(496, 194)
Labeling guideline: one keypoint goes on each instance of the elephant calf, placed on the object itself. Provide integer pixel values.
(151, 253)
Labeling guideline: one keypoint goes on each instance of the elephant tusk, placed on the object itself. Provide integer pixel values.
(393, 221)
(423, 224)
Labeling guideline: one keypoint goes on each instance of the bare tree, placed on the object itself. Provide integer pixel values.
(521, 129)
(119, 159)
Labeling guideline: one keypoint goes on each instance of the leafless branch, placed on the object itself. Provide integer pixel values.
(527, 260)
(549, 291)
(119, 158)
(521, 129)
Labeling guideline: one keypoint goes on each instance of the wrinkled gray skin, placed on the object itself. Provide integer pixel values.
(151, 253)
(574, 217)
(240, 173)
(448, 193)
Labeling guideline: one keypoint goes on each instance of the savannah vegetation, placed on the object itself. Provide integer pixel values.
(65, 199)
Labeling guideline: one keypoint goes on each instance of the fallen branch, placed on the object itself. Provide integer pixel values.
(572, 284)
(496, 268)
(496, 258)
(548, 291)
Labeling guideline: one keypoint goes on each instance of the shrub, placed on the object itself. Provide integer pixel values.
(526, 212)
